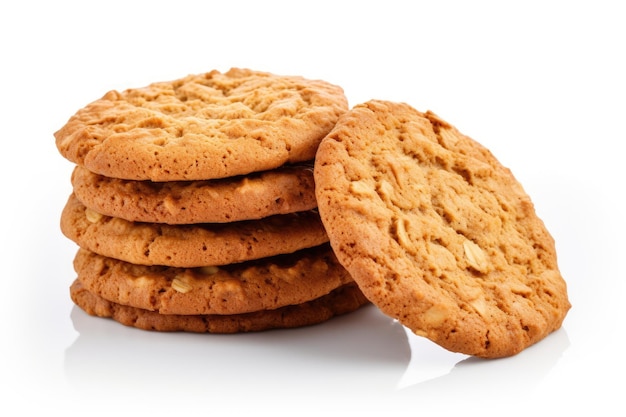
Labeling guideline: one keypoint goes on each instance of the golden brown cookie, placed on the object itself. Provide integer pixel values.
(190, 245)
(205, 126)
(436, 232)
(265, 284)
(343, 300)
(288, 189)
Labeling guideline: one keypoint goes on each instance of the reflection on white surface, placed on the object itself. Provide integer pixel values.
(428, 361)
(326, 358)
(364, 354)
(478, 378)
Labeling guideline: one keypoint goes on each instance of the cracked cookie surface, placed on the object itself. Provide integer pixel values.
(436, 232)
(205, 126)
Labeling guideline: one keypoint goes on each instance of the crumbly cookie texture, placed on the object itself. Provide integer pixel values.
(436, 232)
(287, 189)
(204, 126)
(343, 300)
(190, 245)
(265, 284)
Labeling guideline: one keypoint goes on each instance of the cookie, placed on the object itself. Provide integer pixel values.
(192, 245)
(265, 284)
(343, 300)
(288, 189)
(436, 232)
(205, 126)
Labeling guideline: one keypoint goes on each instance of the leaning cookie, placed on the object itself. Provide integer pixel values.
(436, 232)
(343, 300)
(190, 245)
(205, 126)
(284, 190)
(265, 284)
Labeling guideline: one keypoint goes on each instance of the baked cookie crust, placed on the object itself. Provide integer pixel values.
(284, 190)
(436, 232)
(192, 245)
(343, 300)
(205, 126)
(264, 284)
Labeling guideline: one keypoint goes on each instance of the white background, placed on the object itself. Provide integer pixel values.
(541, 83)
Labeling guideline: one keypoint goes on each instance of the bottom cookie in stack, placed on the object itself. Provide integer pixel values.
(343, 300)
(293, 290)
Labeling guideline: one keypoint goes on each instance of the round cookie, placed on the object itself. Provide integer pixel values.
(436, 232)
(265, 284)
(190, 245)
(343, 300)
(288, 189)
(205, 126)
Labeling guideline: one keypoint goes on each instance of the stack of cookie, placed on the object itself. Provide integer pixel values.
(194, 206)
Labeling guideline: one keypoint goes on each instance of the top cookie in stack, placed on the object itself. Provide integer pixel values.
(203, 126)
(193, 204)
